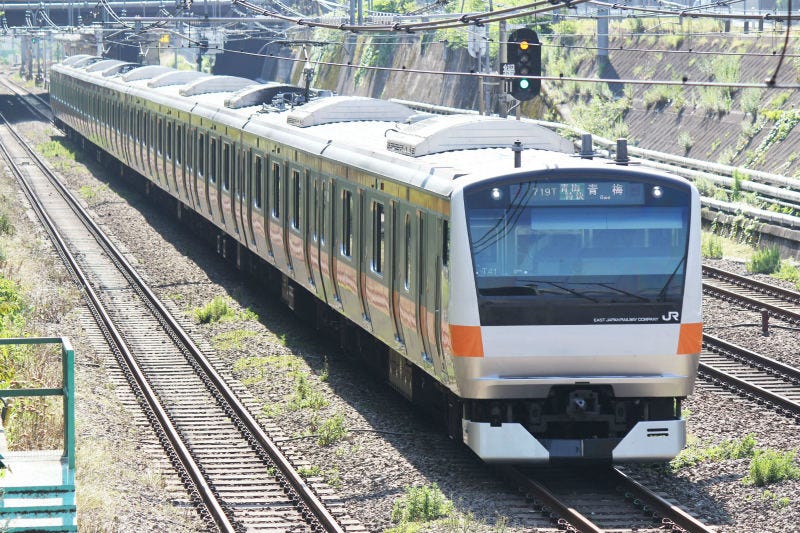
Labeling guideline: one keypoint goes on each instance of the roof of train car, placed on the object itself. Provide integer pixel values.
(434, 171)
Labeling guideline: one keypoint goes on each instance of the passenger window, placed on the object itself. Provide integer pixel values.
(378, 236)
(212, 163)
(226, 166)
(407, 276)
(445, 243)
(347, 223)
(323, 212)
(296, 189)
(159, 137)
(258, 176)
(313, 211)
(201, 155)
(276, 190)
(168, 147)
(178, 144)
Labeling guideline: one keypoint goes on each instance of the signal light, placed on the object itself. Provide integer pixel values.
(524, 59)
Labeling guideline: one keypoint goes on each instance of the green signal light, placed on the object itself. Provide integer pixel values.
(524, 84)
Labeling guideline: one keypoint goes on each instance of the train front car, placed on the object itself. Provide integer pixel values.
(578, 329)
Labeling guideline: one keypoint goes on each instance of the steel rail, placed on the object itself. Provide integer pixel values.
(775, 310)
(312, 501)
(205, 493)
(744, 355)
(671, 512)
(726, 379)
(538, 491)
(752, 284)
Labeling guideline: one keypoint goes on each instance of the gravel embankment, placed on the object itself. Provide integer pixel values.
(388, 446)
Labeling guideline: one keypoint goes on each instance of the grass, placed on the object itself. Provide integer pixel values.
(233, 340)
(6, 227)
(304, 396)
(728, 449)
(789, 272)
(332, 430)
(90, 193)
(771, 466)
(711, 246)
(218, 310)
(421, 504)
(55, 150)
(765, 260)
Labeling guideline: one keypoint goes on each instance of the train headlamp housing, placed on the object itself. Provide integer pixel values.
(496, 194)
(657, 192)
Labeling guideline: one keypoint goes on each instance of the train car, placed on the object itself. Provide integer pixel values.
(548, 305)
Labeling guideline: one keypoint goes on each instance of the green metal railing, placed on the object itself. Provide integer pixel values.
(67, 390)
(23, 517)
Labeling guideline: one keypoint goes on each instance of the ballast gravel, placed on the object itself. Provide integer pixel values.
(388, 446)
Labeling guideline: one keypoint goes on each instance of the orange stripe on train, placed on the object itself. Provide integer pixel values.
(690, 340)
(466, 341)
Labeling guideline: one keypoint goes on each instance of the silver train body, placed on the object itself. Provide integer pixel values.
(557, 304)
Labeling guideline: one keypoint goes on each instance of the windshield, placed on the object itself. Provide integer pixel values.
(578, 242)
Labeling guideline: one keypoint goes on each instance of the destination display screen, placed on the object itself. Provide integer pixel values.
(577, 193)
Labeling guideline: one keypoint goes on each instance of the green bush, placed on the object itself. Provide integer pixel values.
(770, 466)
(711, 246)
(421, 504)
(765, 260)
(214, 311)
(6, 227)
(789, 272)
(332, 430)
(728, 449)
(304, 395)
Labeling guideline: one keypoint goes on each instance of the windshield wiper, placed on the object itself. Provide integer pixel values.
(663, 292)
(533, 282)
(621, 291)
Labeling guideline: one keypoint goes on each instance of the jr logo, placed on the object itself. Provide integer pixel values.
(670, 316)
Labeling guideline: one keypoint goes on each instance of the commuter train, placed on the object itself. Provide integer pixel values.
(547, 303)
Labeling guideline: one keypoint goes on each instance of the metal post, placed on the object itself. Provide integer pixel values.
(503, 57)
(481, 102)
(68, 370)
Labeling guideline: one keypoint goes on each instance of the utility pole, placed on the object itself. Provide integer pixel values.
(503, 56)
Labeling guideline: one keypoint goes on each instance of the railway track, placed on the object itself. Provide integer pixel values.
(30, 100)
(739, 369)
(601, 499)
(751, 374)
(235, 474)
(780, 303)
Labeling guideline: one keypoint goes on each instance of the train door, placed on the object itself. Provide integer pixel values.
(312, 236)
(150, 128)
(158, 152)
(212, 181)
(257, 212)
(128, 137)
(180, 163)
(169, 162)
(140, 140)
(227, 204)
(201, 180)
(326, 231)
(298, 224)
(409, 281)
(425, 288)
(376, 274)
(394, 272)
(191, 168)
(277, 213)
(244, 194)
(346, 251)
